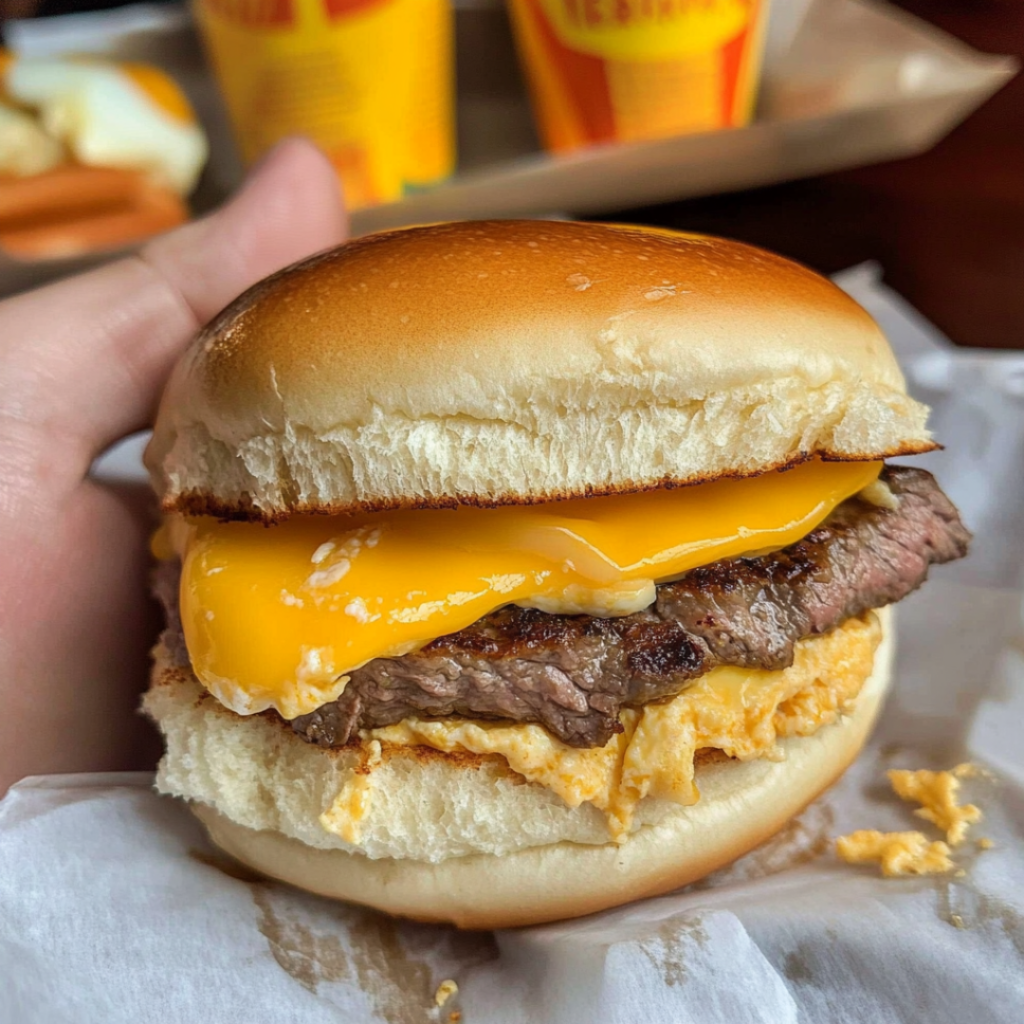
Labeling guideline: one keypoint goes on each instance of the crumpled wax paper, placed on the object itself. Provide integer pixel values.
(114, 907)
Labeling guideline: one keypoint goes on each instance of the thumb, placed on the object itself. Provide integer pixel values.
(289, 207)
(82, 362)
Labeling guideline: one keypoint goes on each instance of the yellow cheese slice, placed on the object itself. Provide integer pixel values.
(274, 617)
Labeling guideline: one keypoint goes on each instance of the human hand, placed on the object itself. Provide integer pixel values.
(82, 364)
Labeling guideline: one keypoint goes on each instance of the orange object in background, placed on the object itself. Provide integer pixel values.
(95, 155)
(627, 70)
(72, 210)
(369, 81)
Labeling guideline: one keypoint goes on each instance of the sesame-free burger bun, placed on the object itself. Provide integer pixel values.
(742, 804)
(496, 362)
(215, 757)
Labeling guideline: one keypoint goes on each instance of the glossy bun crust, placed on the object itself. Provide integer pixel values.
(521, 361)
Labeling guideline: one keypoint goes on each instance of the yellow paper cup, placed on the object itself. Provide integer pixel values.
(369, 81)
(625, 70)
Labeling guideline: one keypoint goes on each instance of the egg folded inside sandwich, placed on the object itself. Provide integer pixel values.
(516, 570)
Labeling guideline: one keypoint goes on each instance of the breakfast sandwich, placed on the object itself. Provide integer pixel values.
(515, 570)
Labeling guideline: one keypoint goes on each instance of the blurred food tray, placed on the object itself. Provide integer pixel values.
(851, 83)
(859, 83)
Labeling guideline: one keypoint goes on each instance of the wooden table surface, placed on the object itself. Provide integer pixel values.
(947, 226)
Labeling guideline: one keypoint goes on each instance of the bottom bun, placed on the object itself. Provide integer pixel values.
(742, 804)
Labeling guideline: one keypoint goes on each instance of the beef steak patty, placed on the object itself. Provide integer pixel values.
(573, 673)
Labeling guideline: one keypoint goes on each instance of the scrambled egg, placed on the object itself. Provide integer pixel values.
(740, 711)
(910, 853)
(445, 991)
(899, 853)
(352, 803)
(937, 794)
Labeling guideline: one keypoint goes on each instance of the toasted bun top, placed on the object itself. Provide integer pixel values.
(519, 361)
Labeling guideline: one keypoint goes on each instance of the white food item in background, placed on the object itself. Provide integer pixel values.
(106, 119)
(25, 149)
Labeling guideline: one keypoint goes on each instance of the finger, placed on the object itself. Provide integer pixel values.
(82, 362)
(290, 207)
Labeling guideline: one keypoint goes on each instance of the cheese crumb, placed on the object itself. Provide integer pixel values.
(937, 793)
(358, 610)
(898, 853)
(334, 573)
(624, 598)
(504, 583)
(445, 991)
(323, 552)
(878, 493)
(336, 557)
(985, 843)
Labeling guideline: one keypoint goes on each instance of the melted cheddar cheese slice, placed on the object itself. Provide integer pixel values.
(275, 617)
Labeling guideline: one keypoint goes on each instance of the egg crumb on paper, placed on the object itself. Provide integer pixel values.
(911, 853)
(937, 793)
(898, 853)
(445, 991)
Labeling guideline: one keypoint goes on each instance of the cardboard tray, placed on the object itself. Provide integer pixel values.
(851, 83)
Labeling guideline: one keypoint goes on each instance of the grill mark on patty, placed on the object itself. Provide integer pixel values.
(573, 674)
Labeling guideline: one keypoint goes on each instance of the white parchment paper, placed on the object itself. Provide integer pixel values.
(114, 908)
